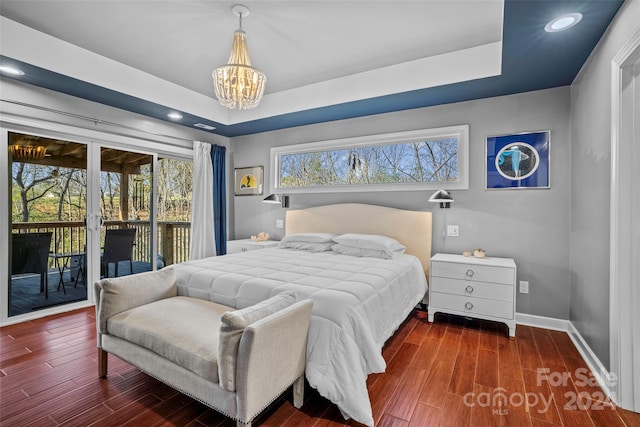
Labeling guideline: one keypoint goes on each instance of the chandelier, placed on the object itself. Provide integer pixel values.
(27, 153)
(238, 84)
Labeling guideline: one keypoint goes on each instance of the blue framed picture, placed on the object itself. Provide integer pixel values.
(518, 160)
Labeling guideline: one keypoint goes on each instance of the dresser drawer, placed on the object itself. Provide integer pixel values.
(472, 289)
(244, 245)
(472, 272)
(481, 288)
(471, 305)
(234, 249)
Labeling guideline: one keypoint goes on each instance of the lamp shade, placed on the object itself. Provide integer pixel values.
(276, 199)
(443, 197)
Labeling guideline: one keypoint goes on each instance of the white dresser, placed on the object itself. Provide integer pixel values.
(243, 245)
(483, 288)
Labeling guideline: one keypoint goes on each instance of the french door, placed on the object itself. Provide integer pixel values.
(125, 202)
(64, 203)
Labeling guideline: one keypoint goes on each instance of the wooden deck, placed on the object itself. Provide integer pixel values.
(450, 373)
(25, 288)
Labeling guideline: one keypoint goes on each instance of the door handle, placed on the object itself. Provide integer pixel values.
(93, 225)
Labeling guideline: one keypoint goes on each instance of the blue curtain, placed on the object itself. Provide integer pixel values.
(219, 198)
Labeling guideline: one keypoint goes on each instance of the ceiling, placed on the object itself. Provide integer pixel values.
(324, 60)
(65, 154)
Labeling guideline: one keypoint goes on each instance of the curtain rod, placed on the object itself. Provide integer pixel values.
(90, 119)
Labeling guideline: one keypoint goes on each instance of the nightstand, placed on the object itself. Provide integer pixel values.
(484, 288)
(243, 245)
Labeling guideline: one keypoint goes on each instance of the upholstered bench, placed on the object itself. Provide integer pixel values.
(234, 361)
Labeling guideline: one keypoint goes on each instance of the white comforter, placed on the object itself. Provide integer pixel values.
(358, 303)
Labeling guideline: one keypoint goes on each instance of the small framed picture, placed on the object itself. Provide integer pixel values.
(517, 161)
(248, 181)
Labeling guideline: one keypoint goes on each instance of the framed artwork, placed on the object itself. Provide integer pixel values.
(248, 181)
(517, 161)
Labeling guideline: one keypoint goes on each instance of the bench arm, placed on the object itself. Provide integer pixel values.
(115, 295)
(271, 356)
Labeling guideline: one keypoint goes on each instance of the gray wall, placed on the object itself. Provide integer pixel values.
(590, 190)
(531, 226)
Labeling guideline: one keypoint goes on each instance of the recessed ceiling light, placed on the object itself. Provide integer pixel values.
(7, 69)
(174, 115)
(563, 22)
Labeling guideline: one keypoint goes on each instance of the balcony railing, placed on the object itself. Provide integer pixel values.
(173, 237)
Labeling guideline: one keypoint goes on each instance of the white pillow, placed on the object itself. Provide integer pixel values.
(307, 246)
(360, 252)
(309, 237)
(371, 241)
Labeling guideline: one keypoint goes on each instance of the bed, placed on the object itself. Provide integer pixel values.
(359, 302)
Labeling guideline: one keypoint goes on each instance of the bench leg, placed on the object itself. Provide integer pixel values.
(298, 392)
(102, 363)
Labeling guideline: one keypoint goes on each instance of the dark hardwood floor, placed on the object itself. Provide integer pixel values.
(454, 372)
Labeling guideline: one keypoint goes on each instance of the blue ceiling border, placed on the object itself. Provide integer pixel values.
(532, 60)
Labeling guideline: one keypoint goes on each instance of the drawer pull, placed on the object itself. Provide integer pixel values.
(469, 289)
(468, 306)
(470, 273)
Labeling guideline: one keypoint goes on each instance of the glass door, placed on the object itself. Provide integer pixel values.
(126, 212)
(47, 244)
(79, 212)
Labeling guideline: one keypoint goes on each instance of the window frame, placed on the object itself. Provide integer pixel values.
(461, 132)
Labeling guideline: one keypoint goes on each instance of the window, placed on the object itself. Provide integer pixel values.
(414, 160)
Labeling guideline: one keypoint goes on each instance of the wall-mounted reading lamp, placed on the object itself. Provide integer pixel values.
(443, 197)
(274, 198)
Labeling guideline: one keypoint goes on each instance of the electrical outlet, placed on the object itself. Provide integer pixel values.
(279, 223)
(453, 231)
(524, 287)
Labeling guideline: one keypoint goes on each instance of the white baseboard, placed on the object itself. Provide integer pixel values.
(543, 322)
(604, 378)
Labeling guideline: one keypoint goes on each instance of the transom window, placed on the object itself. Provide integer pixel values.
(423, 159)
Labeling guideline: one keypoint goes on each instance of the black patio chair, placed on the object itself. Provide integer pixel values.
(118, 246)
(30, 254)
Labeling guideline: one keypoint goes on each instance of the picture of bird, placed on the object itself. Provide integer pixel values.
(248, 181)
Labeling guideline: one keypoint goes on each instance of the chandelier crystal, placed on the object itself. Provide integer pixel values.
(238, 85)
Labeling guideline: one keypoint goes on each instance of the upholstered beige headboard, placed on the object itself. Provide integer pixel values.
(411, 228)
